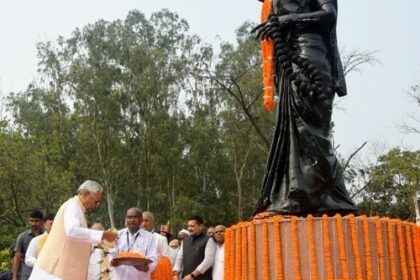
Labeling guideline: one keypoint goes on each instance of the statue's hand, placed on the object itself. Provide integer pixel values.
(266, 29)
(285, 20)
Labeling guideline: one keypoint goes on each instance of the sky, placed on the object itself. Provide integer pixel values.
(377, 102)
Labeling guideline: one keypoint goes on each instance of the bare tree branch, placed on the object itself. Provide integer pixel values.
(354, 59)
(353, 154)
(238, 95)
(360, 190)
(414, 126)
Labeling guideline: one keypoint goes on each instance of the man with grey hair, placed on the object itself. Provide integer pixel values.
(219, 256)
(148, 224)
(66, 252)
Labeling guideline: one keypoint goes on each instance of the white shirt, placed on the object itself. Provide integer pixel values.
(141, 242)
(94, 269)
(74, 217)
(32, 252)
(161, 245)
(219, 263)
(172, 254)
(207, 262)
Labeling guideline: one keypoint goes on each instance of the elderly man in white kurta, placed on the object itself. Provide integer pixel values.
(65, 255)
(134, 239)
(148, 224)
(219, 257)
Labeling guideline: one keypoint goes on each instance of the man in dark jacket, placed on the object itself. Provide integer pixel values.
(196, 255)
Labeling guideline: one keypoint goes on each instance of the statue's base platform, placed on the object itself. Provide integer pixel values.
(336, 247)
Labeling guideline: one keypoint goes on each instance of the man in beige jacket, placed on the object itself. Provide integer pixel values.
(65, 255)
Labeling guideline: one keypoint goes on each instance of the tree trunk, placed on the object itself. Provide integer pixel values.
(105, 176)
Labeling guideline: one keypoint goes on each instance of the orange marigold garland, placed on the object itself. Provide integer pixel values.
(369, 274)
(416, 237)
(403, 260)
(379, 238)
(252, 253)
(391, 250)
(278, 248)
(410, 255)
(238, 259)
(244, 248)
(295, 246)
(341, 246)
(312, 253)
(265, 265)
(355, 243)
(230, 254)
(227, 251)
(327, 246)
(267, 52)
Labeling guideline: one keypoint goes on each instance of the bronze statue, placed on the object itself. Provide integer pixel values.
(303, 175)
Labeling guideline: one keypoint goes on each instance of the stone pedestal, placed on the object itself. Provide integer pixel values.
(322, 248)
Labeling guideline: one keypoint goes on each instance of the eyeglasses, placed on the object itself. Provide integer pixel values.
(97, 202)
(219, 232)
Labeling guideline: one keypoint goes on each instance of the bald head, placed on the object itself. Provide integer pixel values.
(148, 221)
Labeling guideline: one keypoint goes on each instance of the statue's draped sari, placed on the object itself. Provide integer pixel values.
(303, 174)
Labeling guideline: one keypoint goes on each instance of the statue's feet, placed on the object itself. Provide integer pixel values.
(272, 213)
(332, 213)
(261, 216)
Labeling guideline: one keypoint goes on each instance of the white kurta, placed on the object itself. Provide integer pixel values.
(219, 263)
(172, 254)
(161, 245)
(94, 270)
(141, 242)
(32, 252)
(74, 217)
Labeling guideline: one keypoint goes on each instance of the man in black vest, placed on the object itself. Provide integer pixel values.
(196, 254)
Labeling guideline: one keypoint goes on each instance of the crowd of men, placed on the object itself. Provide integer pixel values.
(63, 247)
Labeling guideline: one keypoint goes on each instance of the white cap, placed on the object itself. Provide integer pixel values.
(184, 231)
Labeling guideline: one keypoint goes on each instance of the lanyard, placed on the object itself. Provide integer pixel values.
(134, 241)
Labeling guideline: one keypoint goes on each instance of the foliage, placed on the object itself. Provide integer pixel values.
(5, 261)
(146, 109)
(391, 185)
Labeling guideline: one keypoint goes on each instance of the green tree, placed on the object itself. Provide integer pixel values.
(391, 185)
(247, 125)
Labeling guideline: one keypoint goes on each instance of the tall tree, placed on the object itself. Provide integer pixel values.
(391, 185)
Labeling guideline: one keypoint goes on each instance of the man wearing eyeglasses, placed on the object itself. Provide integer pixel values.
(219, 256)
(65, 254)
